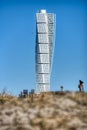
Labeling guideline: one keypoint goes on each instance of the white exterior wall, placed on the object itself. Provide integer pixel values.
(44, 49)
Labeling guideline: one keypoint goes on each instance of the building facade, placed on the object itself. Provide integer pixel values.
(45, 40)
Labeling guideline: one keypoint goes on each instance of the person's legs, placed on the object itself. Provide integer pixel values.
(80, 89)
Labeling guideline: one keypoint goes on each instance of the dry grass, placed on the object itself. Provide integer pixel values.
(46, 111)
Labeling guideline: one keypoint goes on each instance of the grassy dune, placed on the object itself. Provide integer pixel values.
(46, 111)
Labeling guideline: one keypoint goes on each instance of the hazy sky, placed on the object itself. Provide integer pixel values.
(17, 43)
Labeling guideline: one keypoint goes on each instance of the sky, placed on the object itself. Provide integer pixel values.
(17, 44)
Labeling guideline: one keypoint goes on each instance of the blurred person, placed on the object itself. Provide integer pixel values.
(80, 86)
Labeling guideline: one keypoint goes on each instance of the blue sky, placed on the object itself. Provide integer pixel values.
(17, 43)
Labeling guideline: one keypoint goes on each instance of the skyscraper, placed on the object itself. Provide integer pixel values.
(45, 40)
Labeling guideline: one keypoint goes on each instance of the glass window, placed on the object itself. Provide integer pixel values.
(42, 28)
(43, 38)
(42, 58)
(42, 68)
(41, 17)
(43, 78)
(42, 48)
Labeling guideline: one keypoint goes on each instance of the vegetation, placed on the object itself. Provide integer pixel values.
(46, 111)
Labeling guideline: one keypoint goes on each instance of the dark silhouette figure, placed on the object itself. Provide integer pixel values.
(80, 86)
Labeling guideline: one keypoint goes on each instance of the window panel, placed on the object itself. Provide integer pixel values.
(42, 68)
(42, 58)
(42, 28)
(43, 78)
(43, 87)
(50, 28)
(42, 48)
(41, 17)
(43, 38)
(51, 38)
(50, 18)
